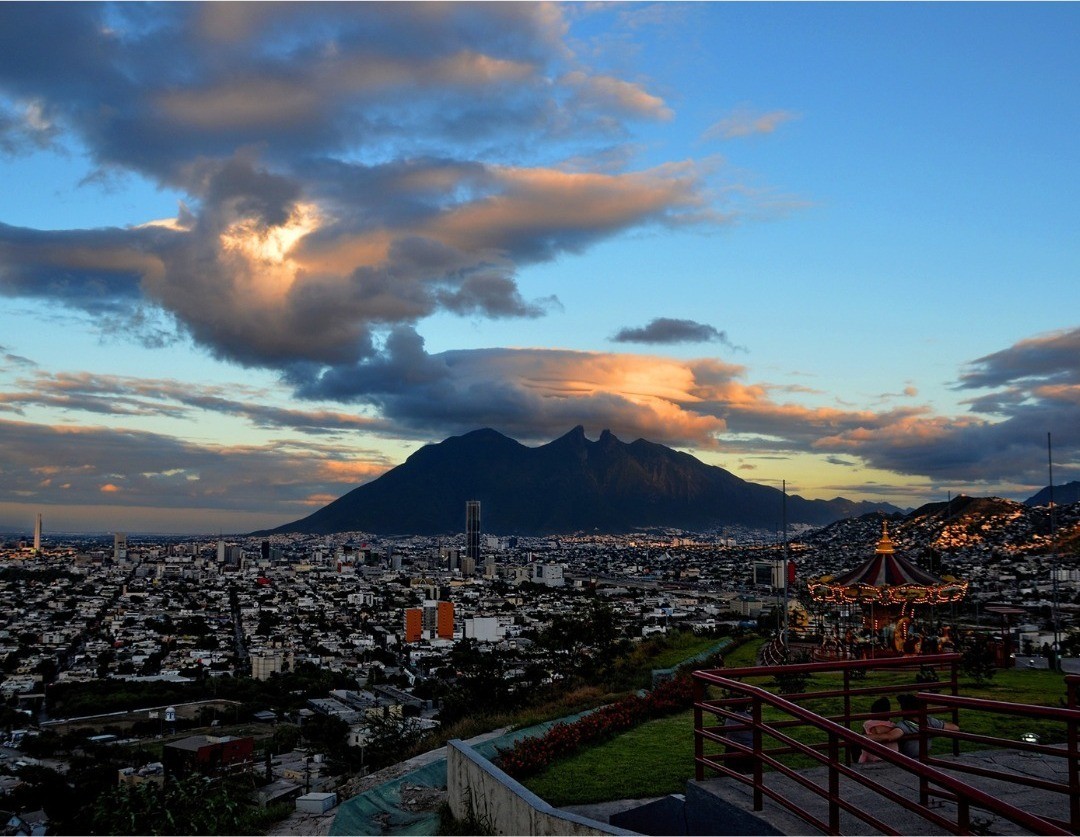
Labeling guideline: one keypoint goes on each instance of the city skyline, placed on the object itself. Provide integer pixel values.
(253, 256)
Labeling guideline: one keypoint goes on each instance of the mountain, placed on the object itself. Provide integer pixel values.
(571, 484)
(1063, 495)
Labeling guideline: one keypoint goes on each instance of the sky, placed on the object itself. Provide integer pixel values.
(252, 256)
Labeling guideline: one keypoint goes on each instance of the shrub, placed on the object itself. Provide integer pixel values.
(531, 755)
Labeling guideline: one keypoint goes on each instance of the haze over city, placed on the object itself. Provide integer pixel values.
(252, 256)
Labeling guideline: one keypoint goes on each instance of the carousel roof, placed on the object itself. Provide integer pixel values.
(889, 578)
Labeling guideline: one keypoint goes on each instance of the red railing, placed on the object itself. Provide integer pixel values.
(786, 713)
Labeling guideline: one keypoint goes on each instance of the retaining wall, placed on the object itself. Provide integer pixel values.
(479, 791)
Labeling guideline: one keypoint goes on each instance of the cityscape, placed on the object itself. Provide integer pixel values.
(401, 638)
(539, 417)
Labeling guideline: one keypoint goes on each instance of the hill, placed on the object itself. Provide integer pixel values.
(1063, 495)
(569, 485)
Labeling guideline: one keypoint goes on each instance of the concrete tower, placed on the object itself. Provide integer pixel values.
(37, 533)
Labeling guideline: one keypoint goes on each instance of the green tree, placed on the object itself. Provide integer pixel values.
(389, 737)
(977, 659)
(193, 805)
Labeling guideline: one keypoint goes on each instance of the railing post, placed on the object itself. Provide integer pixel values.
(1074, 766)
(924, 752)
(699, 725)
(963, 816)
(847, 710)
(834, 784)
(759, 797)
(955, 683)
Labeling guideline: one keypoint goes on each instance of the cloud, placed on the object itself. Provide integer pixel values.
(668, 330)
(25, 128)
(75, 466)
(744, 123)
(118, 395)
(606, 92)
(1051, 357)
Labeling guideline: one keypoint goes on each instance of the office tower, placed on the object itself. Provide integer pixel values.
(264, 550)
(472, 529)
(119, 546)
(37, 534)
(221, 551)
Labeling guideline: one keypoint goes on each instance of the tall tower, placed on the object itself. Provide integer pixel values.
(37, 533)
(472, 530)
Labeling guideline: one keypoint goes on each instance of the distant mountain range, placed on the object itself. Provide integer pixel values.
(1063, 495)
(569, 485)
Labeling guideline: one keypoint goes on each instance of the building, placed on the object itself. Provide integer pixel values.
(37, 533)
(265, 663)
(770, 574)
(550, 575)
(484, 629)
(119, 546)
(444, 620)
(208, 755)
(472, 530)
(414, 624)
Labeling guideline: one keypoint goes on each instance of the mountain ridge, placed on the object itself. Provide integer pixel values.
(568, 485)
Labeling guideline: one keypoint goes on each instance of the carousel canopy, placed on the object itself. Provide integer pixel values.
(890, 579)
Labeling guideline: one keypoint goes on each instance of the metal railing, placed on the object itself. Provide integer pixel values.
(770, 741)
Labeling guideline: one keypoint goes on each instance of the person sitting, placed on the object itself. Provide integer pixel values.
(910, 746)
(880, 729)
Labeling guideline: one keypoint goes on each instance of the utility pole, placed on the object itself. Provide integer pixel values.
(787, 649)
(1053, 545)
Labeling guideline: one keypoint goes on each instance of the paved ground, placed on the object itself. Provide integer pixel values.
(1045, 803)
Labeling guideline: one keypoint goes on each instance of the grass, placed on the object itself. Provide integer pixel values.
(656, 758)
(650, 760)
(684, 646)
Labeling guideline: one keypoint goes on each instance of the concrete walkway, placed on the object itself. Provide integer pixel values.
(776, 816)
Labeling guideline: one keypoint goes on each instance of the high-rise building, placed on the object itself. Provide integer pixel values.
(472, 529)
(414, 624)
(444, 626)
(119, 546)
(37, 534)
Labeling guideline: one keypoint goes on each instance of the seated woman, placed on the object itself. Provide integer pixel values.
(880, 729)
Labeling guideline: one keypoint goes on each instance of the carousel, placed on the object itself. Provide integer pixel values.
(887, 589)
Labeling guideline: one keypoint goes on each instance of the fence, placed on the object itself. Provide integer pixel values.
(781, 727)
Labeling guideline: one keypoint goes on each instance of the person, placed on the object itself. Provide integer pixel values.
(908, 725)
(880, 729)
(740, 763)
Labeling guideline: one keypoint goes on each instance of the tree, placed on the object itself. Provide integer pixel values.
(189, 806)
(389, 737)
(977, 659)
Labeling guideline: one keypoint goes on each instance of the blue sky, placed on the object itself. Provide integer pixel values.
(251, 256)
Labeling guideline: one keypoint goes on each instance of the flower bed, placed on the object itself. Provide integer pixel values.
(531, 755)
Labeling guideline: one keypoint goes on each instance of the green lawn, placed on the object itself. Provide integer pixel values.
(656, 758)
(684, 646)
(653, 759)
